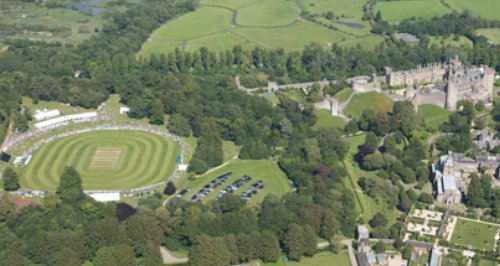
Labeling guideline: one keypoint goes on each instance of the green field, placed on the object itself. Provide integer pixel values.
(63, 108)
(275, 181)
(326, 120)
(114, 159)
(475, 234)
(368, 101)
(222, 24)
(320, 259)
(492, 34)
(450, 41)
(433, 115)
(484, 8)
(395, 11)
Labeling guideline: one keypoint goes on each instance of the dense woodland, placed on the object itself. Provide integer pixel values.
(197, 91)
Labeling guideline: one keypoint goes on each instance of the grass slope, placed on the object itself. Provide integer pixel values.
(492, 34)
(395, 11)
(275, 181)
(433, 115)
(145, 159)
(484, 8)
(372, 101)
(367, 206)
(343, 95)
(326, 120)
(478, 235)
(222, 24)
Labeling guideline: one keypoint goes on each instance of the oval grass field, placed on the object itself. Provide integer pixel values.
(111, 159)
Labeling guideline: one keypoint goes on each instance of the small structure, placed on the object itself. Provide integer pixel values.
(124, 110)
(183, 167)
(44, 114)
(105, 196)
(83, 117)
(406, 37)
(363, 232)
(434, 261)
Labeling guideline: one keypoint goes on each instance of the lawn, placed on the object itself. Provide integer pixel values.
(343, 95)
(450, 41)
(230, 150)
(293, 37)
(372, 101)
(268, 13)
(492, 34)
(320, 259)
(433, 115)
(484, 262)
(396, 11)
(366, 42)
(111, 159)
(475, 234)
(484, 8)
(275, 181)
(326, 120)
(51, 105)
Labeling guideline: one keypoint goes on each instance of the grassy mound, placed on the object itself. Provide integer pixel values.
(433, 115)
(372, 101)
(326, 120)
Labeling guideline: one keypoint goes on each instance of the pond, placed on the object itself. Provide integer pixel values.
(350, 24)
(87, 6)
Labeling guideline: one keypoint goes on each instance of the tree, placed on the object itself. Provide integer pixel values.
(270, 247)
(379, 247)
(425, 198)
(70, 186)
(294, 242)
(475, 194)
(157, 116)
(10, 180)
(197, 166)
(378, 220)
(179, 125)
(329, 15)
(255, 150)
(169, 189)
(116, 255)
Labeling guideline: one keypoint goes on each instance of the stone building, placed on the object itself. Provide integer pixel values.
(451, 174)
(455, 80)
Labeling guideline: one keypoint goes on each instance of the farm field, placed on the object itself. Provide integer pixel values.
(484, 8)
(373, 101)
(114, 159)
(395, 11)
(326, 120)
(273, 178)
(433, 115)
(450, 41)
(492, 34)
(221, 24)
(477, 235)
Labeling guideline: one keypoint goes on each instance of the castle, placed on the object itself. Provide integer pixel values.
(444, 84)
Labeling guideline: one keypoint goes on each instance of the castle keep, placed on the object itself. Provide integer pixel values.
(448, 83)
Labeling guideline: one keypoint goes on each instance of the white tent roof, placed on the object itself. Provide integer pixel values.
(105, 196)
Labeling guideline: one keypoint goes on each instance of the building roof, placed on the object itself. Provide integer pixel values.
(105, 196)
(370, 257)
(362, 229)
(449, 183)
(382, 259)
(434, 259)
(418, 244)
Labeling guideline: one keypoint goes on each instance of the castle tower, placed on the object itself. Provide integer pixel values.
(451, 91)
